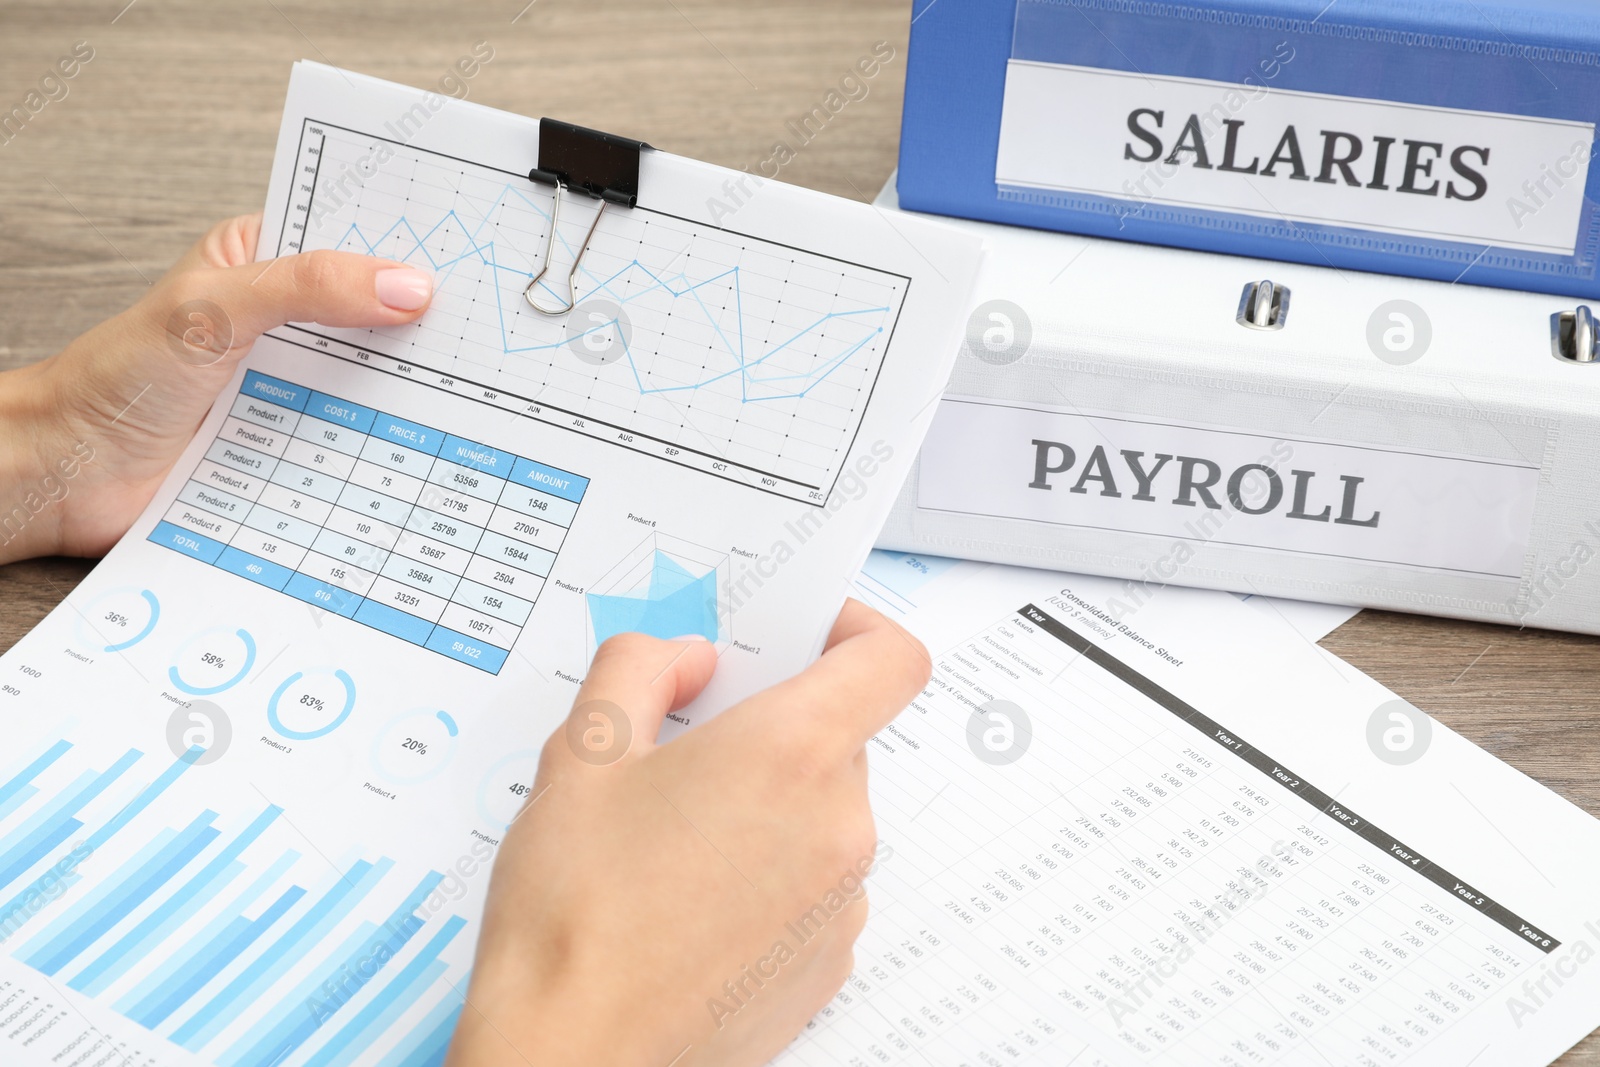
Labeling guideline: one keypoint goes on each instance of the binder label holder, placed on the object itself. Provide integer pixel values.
(1446, 141)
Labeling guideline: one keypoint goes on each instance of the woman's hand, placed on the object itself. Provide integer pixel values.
(693, 902)
(87, 436)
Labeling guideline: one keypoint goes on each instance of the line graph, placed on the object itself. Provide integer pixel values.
(731, 347)
(414, 245)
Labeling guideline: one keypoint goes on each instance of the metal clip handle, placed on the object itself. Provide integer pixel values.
(549, 249)
(1572, 336)
(1263, 306)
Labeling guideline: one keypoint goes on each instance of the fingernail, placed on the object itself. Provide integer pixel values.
(404, 289)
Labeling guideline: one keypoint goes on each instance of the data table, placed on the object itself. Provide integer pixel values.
(442, 542)
(1159, 886)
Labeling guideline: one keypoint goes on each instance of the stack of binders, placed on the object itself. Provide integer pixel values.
(1361, 371)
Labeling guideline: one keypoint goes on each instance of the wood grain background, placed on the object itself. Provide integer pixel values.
(172, 125)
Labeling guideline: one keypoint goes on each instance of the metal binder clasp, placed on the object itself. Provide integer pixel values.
(1263, 306)
(549, 251)
(1572, 336)
(601, 165)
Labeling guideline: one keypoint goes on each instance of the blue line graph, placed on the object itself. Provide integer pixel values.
(412, 246)
(727, 345)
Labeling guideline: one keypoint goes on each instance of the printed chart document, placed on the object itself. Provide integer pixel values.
(1172, 831)
(374, 582)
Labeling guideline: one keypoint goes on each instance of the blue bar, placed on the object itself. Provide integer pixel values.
(26, 776)
(9, 806)
(66, 801)
(550, 480)
(258, 570)
(312, 926)
(271, 1030)
(322, 595)
(95, 895)
(291, 1025)
(208, 965)
(401, 1007)
(425, 1046)
(115, 961)
(142, 801)
(191, 959)
(36, 848)
(479, 457)
(409, 434)
(468, 650)
(394, 622)
(44, 889)
(190, 544)
(203, 887)
(275, 391)
(54, 822)
(50, 822)
(432, 1049)
(131, 891)
(194, 942)
(396, 999)
(340, 412)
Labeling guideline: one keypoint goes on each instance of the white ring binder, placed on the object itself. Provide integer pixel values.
(1424, 464)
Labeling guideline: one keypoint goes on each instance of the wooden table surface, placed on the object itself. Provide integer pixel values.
(172, 124)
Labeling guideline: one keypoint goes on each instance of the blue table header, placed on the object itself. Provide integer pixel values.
(479, 457)
(553, 481)
(275, 391)
(408, 434)
(549, 480)
(340, 412)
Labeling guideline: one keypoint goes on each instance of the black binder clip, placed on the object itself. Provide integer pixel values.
(601, 165)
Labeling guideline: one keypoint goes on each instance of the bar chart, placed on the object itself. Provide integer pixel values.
(212, 930)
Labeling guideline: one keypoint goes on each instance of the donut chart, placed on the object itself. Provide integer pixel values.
(213, 662)
(415, 746)
(117, 620)
(299, 708)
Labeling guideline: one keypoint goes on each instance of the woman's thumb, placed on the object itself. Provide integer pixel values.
(217, 312)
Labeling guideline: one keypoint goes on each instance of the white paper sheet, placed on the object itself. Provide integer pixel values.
(1096, 856)
(373, 583)
(1312, 621)
(896, 582)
